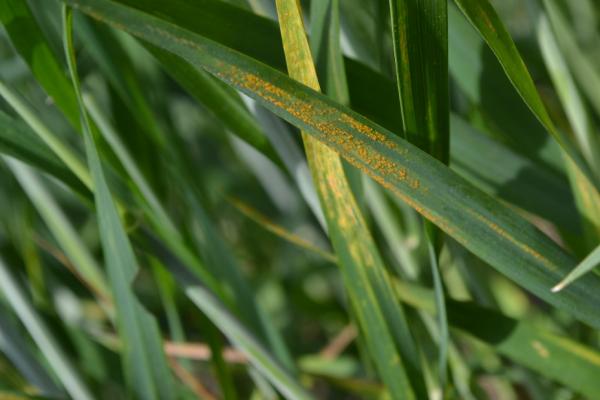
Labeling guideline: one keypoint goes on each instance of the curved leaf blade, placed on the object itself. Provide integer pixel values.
(420, 33)
(588, 264)
(489, 229)
(380, 317)
(520, 340)
(483, 17)
(14, 346)
(29, 41)
(17, 140)
(61, 228)
(145, 365)
(235, 331)
(62, 366)
(371, 94)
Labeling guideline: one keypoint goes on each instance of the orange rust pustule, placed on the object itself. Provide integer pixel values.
(304, 111)
(369, 132)
(349, 145)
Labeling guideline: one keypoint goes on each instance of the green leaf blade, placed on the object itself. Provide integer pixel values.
(589, 263)
(490, 230)
(62, 366)
(380, 317)
(144, 361)
(420, 33)
(483, 17)
(28, 39)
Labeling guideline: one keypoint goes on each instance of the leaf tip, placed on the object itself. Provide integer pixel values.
(560, 286)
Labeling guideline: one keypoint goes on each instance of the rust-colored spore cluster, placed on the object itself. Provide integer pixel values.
(328, 124)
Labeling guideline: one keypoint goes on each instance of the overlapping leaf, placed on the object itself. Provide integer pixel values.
(479, 222)
(144, 361)
(68, 375)
(483, 16)
(380, 318)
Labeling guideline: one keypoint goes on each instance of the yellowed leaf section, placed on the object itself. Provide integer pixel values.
(349, 233)
(325, 164)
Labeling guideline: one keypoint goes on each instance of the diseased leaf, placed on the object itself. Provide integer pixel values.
(483, 225)
(379, 316)
(374, 96)
(184, 105)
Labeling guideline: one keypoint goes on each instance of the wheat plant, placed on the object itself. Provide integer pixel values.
(324, 199)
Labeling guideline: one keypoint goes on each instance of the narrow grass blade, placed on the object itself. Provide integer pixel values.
(521, 341)
(219, 98)
(362, 267)
(223, 371)
(237, 334)
(489, 229)
(144, 361)
(484, 18)
(497, 170)
(61, 365)
(226, 268)
(588, 264)
(585, 71)
(568, 93)
(29, 40)
(167, 289)
(16, 349)
(65, 153)
(588, 198)
(420, 36)
(17, 140)
(217, 262)
(268, 225)
(440, 307)
(116, 65)
(393, 232)
(326, 49)
(372, 94)
(420, 33)
(129, 164)
(61, 228)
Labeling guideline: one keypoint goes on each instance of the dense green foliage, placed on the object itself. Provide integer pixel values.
(328, 199)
